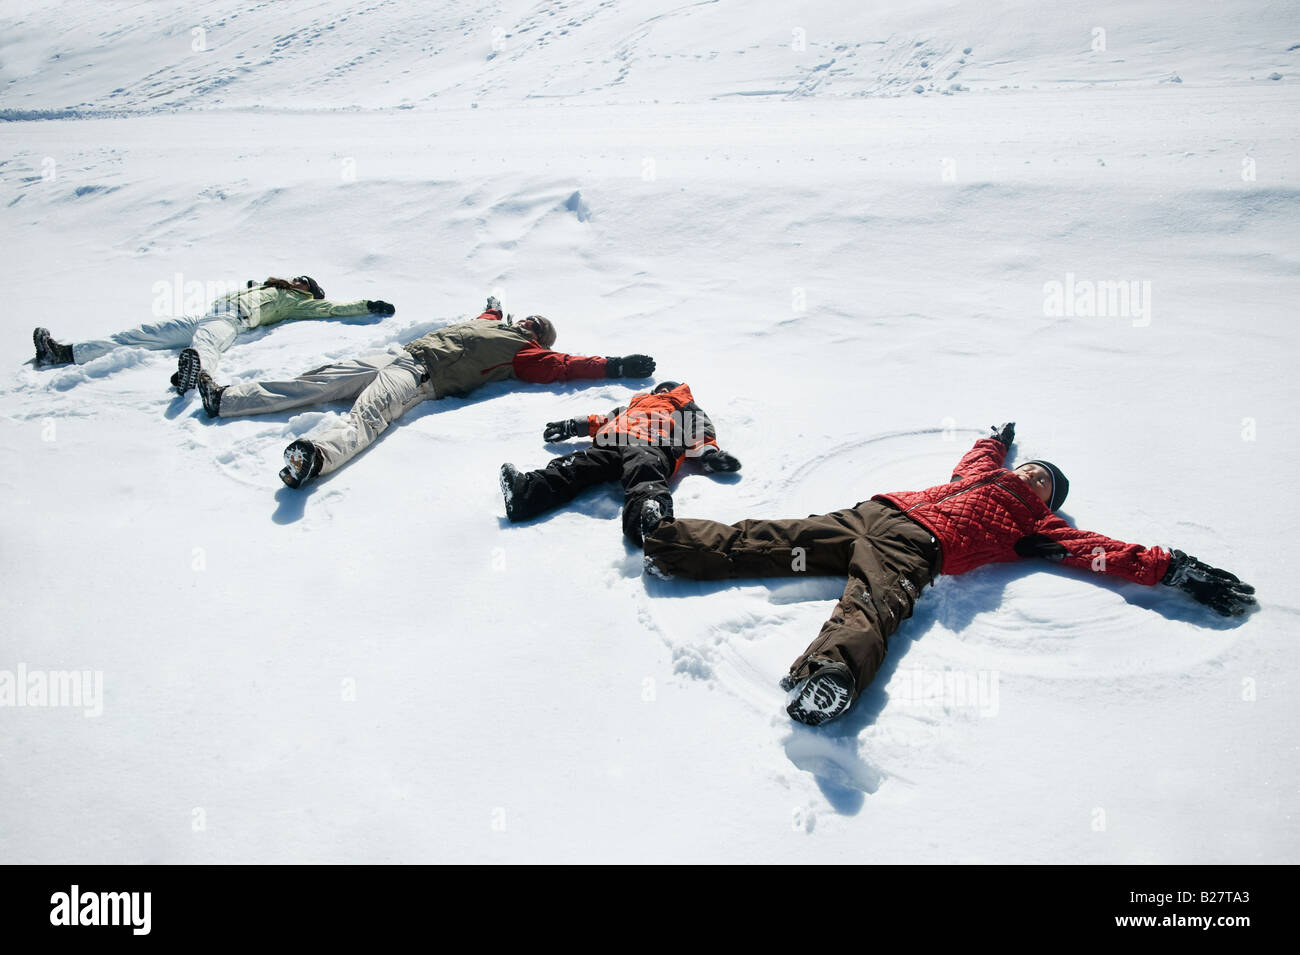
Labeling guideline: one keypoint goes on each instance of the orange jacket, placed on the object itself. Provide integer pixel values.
(668, 419)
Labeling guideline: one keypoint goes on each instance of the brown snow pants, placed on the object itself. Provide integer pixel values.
(887, 558)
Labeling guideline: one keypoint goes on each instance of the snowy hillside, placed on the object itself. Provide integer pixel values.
(325, 54)
(853, 277)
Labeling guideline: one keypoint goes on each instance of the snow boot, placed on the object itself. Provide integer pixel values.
(654, 569)
(821, 697)
(210, 392)
(302, 462)
(510, 479)
(188, 368)
(48, 351)
(653, 513)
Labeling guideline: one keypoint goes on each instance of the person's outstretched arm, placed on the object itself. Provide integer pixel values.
(702, 441)
(1055, 540)
(987, 454)
(541, 366)
(309, 308)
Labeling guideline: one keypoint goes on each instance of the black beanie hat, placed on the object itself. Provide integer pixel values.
(1060, 483)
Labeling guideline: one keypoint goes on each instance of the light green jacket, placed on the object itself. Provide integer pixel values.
(261, 305)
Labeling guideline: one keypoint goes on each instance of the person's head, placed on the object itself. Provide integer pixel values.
(308, 284)
(301, 283)
(540, 327)
(1046, 480)
(663, 386)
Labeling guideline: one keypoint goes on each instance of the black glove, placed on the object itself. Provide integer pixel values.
(1040, 545)
(630, 366)
(1006, 433)
(493, 304)
(1219, 590)
(713, 460)
(569, 428)
(380, 308)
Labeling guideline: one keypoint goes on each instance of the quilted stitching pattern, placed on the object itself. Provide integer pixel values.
(979, 516)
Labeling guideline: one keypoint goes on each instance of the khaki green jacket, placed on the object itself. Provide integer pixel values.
(468, 355)
(266, 306)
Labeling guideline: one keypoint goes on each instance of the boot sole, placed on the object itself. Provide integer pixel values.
(187, 371)
(296, 478)
(819, 702)
(505, 477)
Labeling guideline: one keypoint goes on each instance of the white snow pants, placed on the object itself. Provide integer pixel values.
(383, 388)
(209, 335)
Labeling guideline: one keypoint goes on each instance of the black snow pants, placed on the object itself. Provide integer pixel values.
(643, 470)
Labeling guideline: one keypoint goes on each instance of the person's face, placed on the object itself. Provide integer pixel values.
(1038, 478)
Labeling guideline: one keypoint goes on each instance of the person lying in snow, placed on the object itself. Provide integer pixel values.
(204, 337)
(894, 544)
(453, 360)
(642, 445)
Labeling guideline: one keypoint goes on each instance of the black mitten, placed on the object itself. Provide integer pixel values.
(714, 460)
(1040, 545)
(630, 366)
(568, 428)
(1222, 592)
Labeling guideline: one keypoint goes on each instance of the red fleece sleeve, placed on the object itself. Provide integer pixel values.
(492, 315)
(1104, 555)
(987, 455)
(541, 366)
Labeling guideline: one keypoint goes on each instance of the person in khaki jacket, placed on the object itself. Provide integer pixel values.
(204, 337)
(453, 360)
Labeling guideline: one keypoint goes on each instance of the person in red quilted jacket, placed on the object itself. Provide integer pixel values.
(894, 544)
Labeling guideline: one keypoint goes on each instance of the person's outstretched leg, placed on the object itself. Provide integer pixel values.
(398, 387)
(167, 333)
(564, 478)
(339, 382)
(213, 336)
(889, 566)
(820, 544)
(646, 470)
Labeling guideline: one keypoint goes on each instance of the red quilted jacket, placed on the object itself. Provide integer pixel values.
(980, 515)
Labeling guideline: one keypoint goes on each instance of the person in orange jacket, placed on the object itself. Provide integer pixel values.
(642, 445)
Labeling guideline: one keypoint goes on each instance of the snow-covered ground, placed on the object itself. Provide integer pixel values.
(853, 277)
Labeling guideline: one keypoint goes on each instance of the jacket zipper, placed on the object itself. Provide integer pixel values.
(978, 484)
(988, 480)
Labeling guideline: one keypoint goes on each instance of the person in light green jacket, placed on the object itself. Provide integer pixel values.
(204, 337)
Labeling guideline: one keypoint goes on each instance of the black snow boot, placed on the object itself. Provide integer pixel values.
(302, 462)
(188, 369)
(821, 697)
(510, 479)
(210, 392)
(48, 351)
(653, 513)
